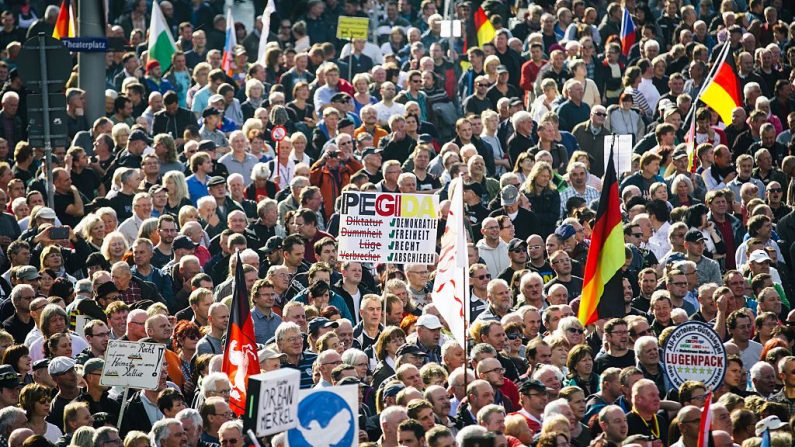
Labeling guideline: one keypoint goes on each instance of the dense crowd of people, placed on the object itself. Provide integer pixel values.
(154, 200)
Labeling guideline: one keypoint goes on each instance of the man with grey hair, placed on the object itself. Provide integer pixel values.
(168, 433)
(522, 138)
(107, 437)
(191, 422)
(763, 378)
(590, 135)
(21, 323)
(132, 289)
(492, 417)
(231, 433)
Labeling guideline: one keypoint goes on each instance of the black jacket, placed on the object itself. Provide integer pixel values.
(135, 417)
(173, 125)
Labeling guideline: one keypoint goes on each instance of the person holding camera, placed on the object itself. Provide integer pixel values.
(333, 171)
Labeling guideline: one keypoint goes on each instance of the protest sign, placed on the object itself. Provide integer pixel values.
(272, 405)
(327, 417)
(133, 364)
(694, 351)
(386, 227)
(622, 152)
(353, 27)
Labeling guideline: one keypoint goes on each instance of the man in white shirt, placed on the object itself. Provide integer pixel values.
(387, 107)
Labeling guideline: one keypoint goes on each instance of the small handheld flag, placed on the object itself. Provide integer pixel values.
(483, 27)
(65, 23)
(229, 46)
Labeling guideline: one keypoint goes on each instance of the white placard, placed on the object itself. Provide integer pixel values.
(133, 364)
(274, 408)
(385, 227)
(327, 417)
(622, 152)
(451, 28)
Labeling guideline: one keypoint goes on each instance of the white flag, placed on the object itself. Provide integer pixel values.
(266, 26)
(451, 285)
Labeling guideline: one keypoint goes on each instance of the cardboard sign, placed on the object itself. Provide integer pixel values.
(694, 351)
(80, 324)
(353, 27)
(622, 152)
(133, 364)
(327, 417)
(387, 227)
(272, 405)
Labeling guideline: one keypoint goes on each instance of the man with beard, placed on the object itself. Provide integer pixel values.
(617, 354)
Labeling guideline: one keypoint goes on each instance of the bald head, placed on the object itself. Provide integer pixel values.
(19, 436)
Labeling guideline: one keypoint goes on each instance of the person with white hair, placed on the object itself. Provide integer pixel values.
(167, 432)
(231, 433)
(239, 160)
(521, 140)
(389, 419)
(216, 384)
(469, 432)
(191, 422)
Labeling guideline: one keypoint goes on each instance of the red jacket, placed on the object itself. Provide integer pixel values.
(330, 184)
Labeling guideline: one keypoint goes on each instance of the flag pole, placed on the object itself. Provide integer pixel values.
(721, 58)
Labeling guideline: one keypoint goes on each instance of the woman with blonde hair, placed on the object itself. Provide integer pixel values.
(545, 102)
(166, 151)
(92, 228)
(491, 122)
(361, 95)
(120, 132)
(114, 247)
(136, 438)
(580, 74)
(177, 191)
(543, 197)
(490, 67)
(83, 437)
(109, 218)
(255, 96)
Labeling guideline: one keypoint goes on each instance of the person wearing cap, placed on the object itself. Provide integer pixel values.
(517, 253)
(331, 172)
(708, 270)
(492, 248)
(9, 386)
(211, 122)
(62, 371)
(270, 360)
(502, 88)
(372, 163)
(474, 210)
(427, 338)
(153, 79)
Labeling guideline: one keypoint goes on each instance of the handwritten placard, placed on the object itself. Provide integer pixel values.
(133, 364)
(272, 405)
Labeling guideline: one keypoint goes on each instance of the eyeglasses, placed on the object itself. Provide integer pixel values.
(690, 421)
(225, 392)
(517, 250)
(501, 370)
(641, 333)
(483, 85)
(335, 363)
(638, 235)
(228, 414)
(232, 441)
(100, 334)
(575, 330)
(775, 190)
(482, 277)
(619, 332)
(602, 114)
(699, 397)
(513, 336)
(680, 284)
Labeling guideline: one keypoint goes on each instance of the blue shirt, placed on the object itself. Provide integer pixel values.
(305, 367)
(196, 189)
(264, 326)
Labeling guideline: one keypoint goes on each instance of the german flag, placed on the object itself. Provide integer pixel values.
(65, 24)
(483, 27)
(722, 93)
(602, 292)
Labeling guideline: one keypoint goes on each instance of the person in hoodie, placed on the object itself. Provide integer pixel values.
(492, 248)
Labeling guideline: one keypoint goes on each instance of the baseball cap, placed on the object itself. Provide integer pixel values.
(371, 151)
(106, 289)
(759, 256)
(393, 389)
(39, 364)
(216, 181)
(516, 243)
(60, 365)
(268, 353)
(351, 381)
(27, 273)
(679, 154)
(83, 286)
(530, 384)
(273, 243)
(140, 135)
(770, 422)
(9, 377)
(207, 145)
(215, 98)
(340, 97)
(410, 349)
(694, 236)
(565, 231)
(509, 195)
(209, 111)
(345, 122)
(321, 322)
(93, 365)
(424, 138)
(429, 321)
(183, 242)
(502, 69)
(474, 187)
(240, 49)
(46, 213)
(152, 64)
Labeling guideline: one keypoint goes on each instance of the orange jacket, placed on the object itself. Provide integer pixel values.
(329, 184)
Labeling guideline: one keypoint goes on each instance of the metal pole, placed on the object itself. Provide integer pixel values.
(45, 104)
(91, 66)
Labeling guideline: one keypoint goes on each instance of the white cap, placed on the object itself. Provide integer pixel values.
(429, 321)
(770, 422)
(759, 256)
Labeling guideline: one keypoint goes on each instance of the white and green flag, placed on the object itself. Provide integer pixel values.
(161, 43)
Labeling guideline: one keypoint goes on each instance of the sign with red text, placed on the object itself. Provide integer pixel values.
(385, 227)
(694, 351)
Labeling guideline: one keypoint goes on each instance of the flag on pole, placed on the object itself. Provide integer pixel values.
(451, 285)
(704, 428)
(240, 351)
(266, 27)
(161, 43)
(231, 43)
(722, 91)
(65, 23)
(483, 27)
(628, 32)
(602, 290)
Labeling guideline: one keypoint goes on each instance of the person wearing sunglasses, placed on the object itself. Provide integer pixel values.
(774, 195)
(562, 265)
